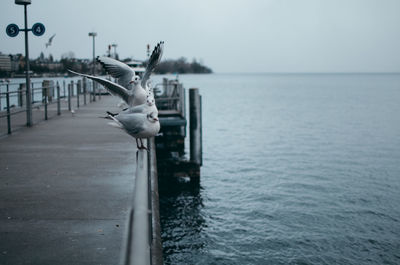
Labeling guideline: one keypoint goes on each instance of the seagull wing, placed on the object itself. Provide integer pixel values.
(154, 60)
(117, 69)
(112, 87)
(51, 38)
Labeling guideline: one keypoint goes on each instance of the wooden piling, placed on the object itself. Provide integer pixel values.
(195, 126)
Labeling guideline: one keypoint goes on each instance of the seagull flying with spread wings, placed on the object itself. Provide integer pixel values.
(129, 87)
(50, 40)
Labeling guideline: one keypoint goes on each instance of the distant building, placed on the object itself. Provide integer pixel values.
(5, 63)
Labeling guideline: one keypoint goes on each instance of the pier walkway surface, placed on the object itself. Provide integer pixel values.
(66, 186)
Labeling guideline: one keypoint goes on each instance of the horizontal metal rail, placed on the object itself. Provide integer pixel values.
(43, 96)
(143, 239)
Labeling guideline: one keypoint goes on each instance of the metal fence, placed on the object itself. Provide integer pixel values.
(49, 98)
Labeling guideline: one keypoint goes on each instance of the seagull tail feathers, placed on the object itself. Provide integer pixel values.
(115, 122)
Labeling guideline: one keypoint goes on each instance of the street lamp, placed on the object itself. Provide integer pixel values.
(115, 50)
(93, 34)
(37, 29)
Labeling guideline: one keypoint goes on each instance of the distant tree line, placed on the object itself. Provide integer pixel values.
(181, 66)
(47, 65)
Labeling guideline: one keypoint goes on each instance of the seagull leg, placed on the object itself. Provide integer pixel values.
(137, 143)
(142, 147)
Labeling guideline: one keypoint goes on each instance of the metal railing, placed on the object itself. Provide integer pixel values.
(143, 238)
(48, 96)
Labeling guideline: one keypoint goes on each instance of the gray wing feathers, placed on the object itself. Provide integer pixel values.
(117, 69)
(154, 60)
(114, 88)
(132, 123)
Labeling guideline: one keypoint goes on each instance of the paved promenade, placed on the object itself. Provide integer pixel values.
(65, 189)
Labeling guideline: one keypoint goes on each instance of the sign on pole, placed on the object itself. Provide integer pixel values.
(38, 29)
(12, 30)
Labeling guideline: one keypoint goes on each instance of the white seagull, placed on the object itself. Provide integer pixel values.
(148, 107)
(125, 74)
(138, 125)
(129, 87)
(134, 96)
(50, 40)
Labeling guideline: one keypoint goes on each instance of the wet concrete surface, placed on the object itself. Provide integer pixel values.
(65, 189)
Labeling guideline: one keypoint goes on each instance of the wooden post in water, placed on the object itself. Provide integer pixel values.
(195, 126)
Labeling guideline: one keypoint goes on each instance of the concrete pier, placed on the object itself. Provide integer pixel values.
(66, 189)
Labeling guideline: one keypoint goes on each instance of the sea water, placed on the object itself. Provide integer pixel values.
(298, 169)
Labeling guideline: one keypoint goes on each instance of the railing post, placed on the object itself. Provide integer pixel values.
(58, 99)
(195, 126)
(8, 111)
(90, 91)
(33, 94)
(78, 88)
(84, 90)
(64, 87)
(94, 90)
(45, 102)
(21, 94)
(69, 97)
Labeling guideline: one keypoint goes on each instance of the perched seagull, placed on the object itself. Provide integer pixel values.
(148, 107)
(50, 40)
(138, 125)
(134, 96)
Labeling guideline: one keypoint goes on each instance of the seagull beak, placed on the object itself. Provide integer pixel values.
(156, 119)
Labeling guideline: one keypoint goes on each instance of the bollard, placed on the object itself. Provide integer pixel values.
(195, 126)
(69, 97)
(58, 99)
(8, 111)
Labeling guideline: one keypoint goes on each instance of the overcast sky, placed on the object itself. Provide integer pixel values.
(226, 35)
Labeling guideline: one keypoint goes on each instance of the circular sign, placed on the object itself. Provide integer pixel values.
(38, 29)
(12, 30)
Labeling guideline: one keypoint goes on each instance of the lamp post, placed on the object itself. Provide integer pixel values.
(27, 77)
(115, 50)
(93, 34)
(37, 29)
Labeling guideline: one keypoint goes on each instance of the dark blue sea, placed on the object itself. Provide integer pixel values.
(298, 169)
